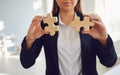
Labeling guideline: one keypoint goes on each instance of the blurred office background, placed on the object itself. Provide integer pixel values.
(16, 16)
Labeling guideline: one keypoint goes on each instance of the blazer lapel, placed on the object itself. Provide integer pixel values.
(53, 40)
(85, 46)
(54, 51)
(83, 51)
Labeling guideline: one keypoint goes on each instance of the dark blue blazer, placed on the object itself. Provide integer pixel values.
(90, 49)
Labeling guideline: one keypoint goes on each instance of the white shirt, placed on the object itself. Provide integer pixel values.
(69, 50)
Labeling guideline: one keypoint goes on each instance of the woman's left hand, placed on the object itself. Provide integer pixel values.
(98, 31)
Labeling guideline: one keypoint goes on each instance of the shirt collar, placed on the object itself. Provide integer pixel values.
(60, 20)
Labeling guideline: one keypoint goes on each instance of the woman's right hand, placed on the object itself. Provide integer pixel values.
(35, 31)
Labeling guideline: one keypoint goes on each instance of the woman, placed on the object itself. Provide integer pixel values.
(68, 52)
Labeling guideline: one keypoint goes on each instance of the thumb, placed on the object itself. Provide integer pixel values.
(86, 32)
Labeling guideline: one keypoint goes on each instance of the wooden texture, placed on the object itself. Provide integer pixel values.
(51, 27)
(77, 24)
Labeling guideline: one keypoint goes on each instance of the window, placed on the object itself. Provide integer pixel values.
(109, 12)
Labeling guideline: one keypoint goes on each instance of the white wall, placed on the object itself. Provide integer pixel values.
(17, 15)
(88, 6)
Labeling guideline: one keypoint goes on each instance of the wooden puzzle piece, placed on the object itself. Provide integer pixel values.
(77, 24)
(51, 27)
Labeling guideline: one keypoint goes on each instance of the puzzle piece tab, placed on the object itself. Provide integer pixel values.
(51, 27)
(77, 24)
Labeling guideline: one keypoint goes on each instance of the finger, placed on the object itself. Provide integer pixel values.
(47, 32)
(97, 23)
(91, 32)
(99, 26)
(35, 23)
(41, 30)
(38, 18)
(95, 17)
(31, 30)
(38, 27)
(86, 15)
(86, 32)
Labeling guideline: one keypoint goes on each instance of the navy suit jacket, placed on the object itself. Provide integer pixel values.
(90, 48)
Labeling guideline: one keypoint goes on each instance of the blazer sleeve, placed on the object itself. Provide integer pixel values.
(28, 57)
(107, 55)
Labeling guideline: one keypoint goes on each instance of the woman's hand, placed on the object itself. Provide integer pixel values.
(98, 31)
(35, 31)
